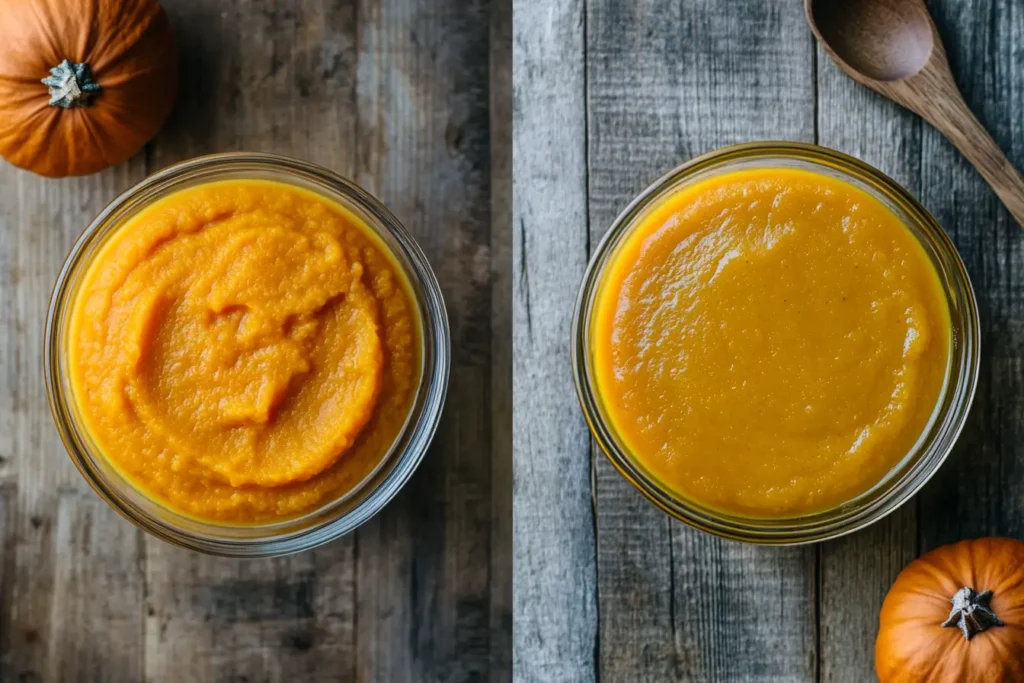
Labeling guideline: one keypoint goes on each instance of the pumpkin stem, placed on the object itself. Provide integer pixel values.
(71, 85)
(971, 612)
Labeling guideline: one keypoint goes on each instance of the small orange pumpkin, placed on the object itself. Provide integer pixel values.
(83, 85)
(955, 615)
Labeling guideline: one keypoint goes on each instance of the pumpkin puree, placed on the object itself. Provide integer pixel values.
(770, 342)
(244, 350)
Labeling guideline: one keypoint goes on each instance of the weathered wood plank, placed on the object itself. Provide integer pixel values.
(501, 342)
(423, 93)
(96, 634)
(555, 618)
(857, 570)
(978, 489)
(7, 559)
(754, 619)
(39, 220)
(666, 81)
(286, 619)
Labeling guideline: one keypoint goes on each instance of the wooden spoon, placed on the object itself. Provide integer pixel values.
(893, 47)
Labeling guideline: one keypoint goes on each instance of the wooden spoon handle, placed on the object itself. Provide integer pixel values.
(956, 121)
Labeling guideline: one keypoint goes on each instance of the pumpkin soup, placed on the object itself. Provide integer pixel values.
(244, 351)
(769, 342)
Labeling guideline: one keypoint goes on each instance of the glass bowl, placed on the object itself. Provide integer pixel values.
(953, 405)
(334, 518)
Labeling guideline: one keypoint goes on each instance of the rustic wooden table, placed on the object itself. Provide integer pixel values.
(410, 98)
(609, 95)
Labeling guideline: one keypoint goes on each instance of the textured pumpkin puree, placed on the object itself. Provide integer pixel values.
(244, 351)
(770, 342)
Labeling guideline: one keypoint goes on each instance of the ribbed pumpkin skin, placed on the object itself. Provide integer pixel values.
(130, 50)
(912, 645)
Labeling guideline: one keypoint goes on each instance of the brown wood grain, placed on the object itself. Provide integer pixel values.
(501, 347)
(397, 95)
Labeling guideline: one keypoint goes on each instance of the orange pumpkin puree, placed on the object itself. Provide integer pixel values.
(244, 351)
(770, 342)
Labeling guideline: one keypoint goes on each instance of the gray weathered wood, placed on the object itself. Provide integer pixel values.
(99, 590)
(667, 81)
(555, 619)
(396, 95)
(285, 619)
(856, 571)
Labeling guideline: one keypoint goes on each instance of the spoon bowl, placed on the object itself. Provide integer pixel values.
(893, 47)
(884, 39)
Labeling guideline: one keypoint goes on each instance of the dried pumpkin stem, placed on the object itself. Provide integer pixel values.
(971, 612)
(71, 85)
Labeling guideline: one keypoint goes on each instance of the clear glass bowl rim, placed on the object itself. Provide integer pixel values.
(333, 519)
(892, 492)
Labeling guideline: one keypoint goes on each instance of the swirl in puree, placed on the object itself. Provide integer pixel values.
(770, 342)
(244, 351)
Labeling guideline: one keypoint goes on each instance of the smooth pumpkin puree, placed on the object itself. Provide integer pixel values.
(770, 342)
(244, 351)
